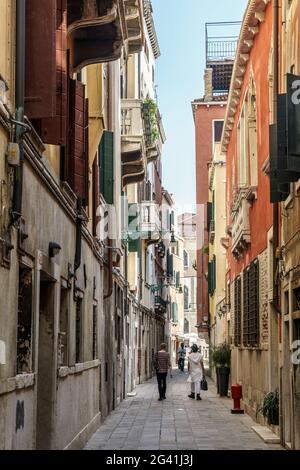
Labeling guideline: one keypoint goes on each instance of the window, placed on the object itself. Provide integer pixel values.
(24, 332)
(95, 333)
(237, 312)
(186, 326)
(212, 276)
(107, 166)
(251, 305)
(78, 329)
(185, 259)
(242, 151)
(146, 50)
(63, 328)
(252, 132)
(186, 298)
(174, 312)
(296, 299)
(217, 131)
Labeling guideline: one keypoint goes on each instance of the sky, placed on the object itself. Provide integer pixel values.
(180, 27)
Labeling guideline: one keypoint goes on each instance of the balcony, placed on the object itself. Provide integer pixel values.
(150, 224)
(99, 29)
(160, 305)
(212, 231)
(134, 25)
(134, 161)
(241, 234)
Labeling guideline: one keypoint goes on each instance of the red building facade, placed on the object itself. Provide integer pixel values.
(252, 233)
(208, 117)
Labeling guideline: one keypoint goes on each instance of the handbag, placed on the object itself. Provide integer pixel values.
(155, 363)
(204, 385)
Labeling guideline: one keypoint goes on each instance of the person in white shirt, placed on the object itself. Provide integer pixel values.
(196, 372)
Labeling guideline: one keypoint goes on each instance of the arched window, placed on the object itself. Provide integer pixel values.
(185, 259)
(252, 131)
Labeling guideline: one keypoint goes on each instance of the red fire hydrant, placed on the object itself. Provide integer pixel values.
(236, 395)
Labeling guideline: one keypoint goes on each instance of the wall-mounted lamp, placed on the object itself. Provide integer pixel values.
(54, 249)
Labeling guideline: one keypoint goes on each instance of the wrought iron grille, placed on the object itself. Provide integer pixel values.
(237, 312)
(251, 305)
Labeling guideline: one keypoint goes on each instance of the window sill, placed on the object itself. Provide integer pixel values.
(249, 348)
(18, 382)
(64, 371)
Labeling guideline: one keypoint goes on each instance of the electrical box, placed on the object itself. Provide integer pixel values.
(13, 154)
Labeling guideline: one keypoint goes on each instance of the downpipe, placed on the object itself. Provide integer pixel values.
(16, 211)
(79, 219)
(276, 287)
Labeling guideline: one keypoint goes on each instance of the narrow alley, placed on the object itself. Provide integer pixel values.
(179, 423)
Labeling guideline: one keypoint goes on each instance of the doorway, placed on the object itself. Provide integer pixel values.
(46, 367)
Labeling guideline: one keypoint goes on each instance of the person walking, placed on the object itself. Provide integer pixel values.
(196, 372)
(181, 357)
(162, 364)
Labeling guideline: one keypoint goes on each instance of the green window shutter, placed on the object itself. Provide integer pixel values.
(214, 278)
(170, 264)
(106, 149)
(133, 233)
(210, 271)
(134, 246)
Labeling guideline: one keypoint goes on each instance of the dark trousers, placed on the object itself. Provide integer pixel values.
(162, 384)
(181, 363)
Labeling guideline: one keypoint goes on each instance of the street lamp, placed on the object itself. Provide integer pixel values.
(54, 249)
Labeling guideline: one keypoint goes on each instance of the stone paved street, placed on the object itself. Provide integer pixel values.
(143, 422)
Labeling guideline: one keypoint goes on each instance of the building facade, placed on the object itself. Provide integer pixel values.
(72, 319)
(217, 248)
(209, 112)
(252, 230)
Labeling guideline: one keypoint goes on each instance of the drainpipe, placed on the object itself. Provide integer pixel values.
(79, 219)
(110, 269)
(276, 206)
(109, 240)
(19, 97)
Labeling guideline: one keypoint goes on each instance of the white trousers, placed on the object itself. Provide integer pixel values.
(195, 387)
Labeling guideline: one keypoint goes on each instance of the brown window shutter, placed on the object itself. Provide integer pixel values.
(40, 78)
(77, 159)
(53, 130)
(86, 150)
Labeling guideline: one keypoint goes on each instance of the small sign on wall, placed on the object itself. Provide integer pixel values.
(2, 353)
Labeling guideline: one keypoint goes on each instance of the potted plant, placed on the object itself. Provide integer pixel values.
(221, 357)
(270, 408)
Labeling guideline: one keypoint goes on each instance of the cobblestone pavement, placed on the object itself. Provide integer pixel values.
(143, 422)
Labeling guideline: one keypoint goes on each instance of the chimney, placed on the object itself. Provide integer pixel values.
(208, 84)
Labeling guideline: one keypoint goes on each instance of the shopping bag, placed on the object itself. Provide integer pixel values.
(204, 385)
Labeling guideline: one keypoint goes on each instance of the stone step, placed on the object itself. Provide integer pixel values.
(266, 434)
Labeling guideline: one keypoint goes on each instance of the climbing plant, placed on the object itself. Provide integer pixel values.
(150, 116)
